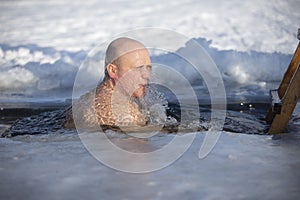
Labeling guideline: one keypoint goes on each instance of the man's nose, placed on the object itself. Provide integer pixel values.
(146, 73)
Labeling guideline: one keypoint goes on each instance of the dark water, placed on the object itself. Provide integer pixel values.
(44, 119)
(243, 115)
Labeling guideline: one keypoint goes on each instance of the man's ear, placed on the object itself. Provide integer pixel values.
(112, 71)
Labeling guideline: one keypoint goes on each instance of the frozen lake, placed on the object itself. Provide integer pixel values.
(241, 166)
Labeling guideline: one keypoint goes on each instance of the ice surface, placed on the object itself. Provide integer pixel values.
(239, 167)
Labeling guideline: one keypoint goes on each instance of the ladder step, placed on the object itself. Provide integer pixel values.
(276, 102)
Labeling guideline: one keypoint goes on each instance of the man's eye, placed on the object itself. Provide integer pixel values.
(147, 67)
(140, 67)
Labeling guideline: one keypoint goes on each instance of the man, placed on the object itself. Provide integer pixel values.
(116, 101)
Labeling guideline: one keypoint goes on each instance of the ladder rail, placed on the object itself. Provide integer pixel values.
(288, 94)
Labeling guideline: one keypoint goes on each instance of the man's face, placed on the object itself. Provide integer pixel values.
(134, 70)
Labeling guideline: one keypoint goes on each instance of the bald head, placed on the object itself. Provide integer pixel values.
(120, 47)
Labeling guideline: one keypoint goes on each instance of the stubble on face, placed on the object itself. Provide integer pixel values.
(133, 71)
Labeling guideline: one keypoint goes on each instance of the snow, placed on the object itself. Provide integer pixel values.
(74, 25)
(17, 78)
(239, 167)
(48, 40)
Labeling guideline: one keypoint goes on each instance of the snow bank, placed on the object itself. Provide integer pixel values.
(43, 43)
(74, 25)
(29, 69)
(36, 71)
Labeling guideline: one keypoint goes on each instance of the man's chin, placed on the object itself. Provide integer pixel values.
(140, 92)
